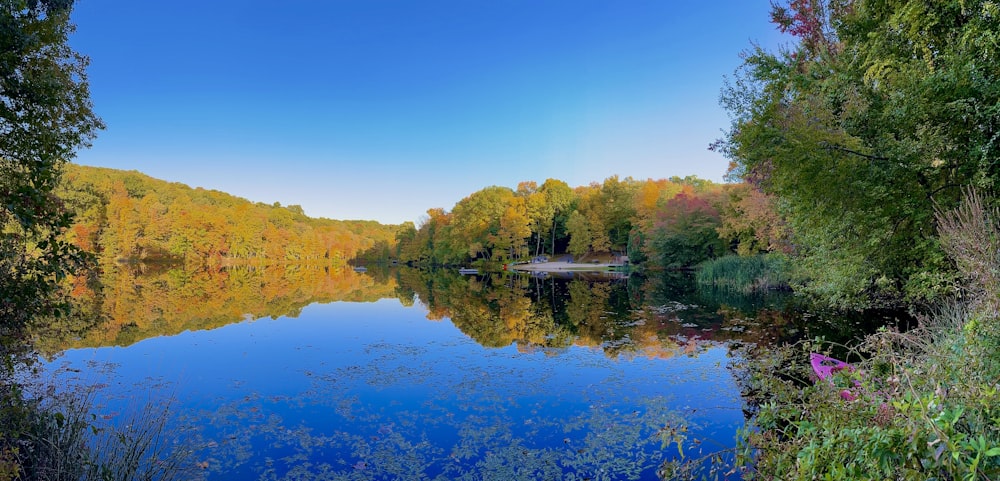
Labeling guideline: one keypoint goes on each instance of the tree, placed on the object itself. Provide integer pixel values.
(750, 219)
(560, 197)
(685, 233)
(45, 116)
(578, 228)
(477, 219)
(618, 198)
(539, 211)
(510, 241)
(124, 226)
(880, 112)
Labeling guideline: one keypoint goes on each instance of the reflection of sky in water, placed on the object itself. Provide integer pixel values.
(376, 391)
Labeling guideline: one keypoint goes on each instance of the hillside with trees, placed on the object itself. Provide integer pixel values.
(128, 216)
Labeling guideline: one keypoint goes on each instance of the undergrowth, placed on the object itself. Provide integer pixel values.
(926, 402)
(53, 435)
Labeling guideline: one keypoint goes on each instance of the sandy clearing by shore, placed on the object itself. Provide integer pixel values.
(561, 266)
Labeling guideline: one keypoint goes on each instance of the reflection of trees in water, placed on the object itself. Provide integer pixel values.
(129, 305)
(547, 313)
(659, 316)
(607, 314)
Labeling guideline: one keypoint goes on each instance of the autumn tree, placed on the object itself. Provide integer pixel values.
(510, 241)
(477, 219)
(684, 233)
(650, 196)
(592, 208)
(124, 228)
(751, 220)
(130, 216)
(560, 197)
(618, 198)
(539, 211)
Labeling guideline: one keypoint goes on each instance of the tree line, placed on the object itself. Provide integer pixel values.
(667, 223)
(128, 216)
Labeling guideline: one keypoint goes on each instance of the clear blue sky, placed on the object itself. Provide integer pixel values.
(381, 109)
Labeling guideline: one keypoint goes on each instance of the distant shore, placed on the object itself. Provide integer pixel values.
(562, 266)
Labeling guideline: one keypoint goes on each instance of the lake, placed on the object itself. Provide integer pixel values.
(319, 373)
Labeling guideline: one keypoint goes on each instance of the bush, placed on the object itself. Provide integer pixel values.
(927, 401)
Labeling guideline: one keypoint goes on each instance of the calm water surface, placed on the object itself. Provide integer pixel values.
(422, 376)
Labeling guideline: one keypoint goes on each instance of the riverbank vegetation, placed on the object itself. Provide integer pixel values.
(747, 274)
(874, 131)
(921, 404)
(875, 115)
(45, 116)
(858, 154)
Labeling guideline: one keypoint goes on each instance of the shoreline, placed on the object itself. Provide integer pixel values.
(562, 266)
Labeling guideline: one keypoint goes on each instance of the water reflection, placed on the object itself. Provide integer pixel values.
(137, 302)
(516, 377)
(631, 316)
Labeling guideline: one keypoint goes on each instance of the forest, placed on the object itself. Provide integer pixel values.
(665, 223)
(126, 216)
(130, 217)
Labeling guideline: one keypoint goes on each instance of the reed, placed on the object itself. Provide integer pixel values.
(56, 437)
(746, 274)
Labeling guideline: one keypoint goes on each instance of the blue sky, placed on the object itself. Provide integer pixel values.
(381, 109)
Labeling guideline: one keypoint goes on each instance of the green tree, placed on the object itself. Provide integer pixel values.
(619, 199)
(476, 219)
(45, 116)
(881, 111)
(560, 197)
(539, 211)
(578, 228)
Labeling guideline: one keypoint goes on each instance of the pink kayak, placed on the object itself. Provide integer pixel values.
(826, 366)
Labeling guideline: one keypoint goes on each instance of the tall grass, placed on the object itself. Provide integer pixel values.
(746, 274)
(54, 436)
